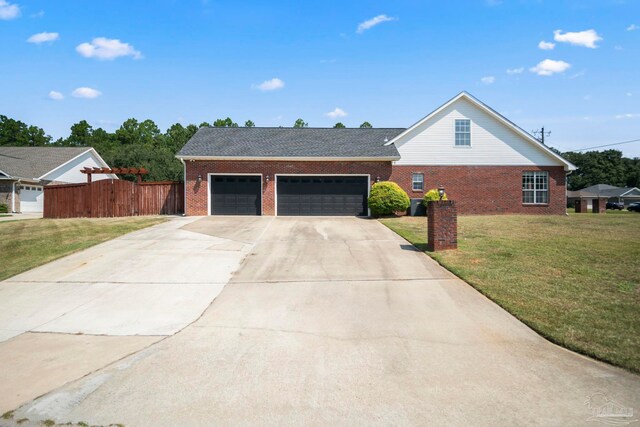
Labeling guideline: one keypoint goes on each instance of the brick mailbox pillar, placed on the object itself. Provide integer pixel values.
(581, 206)
(599, 205)
(442, 230)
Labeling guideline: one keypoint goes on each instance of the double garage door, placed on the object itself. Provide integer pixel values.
(295, 195)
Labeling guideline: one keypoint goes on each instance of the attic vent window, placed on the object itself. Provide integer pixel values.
(463, 133)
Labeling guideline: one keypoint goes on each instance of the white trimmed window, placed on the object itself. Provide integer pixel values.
(463, 133)
(417, 182)
(535, 187)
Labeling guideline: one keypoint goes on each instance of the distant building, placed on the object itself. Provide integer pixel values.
(626, 195)
(25, 171)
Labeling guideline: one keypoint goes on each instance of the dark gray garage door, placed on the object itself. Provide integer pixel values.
(322, 195)
(235, 195)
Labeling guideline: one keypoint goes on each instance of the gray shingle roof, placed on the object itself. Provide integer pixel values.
(604, 190)
(33, 162)
(291, 142)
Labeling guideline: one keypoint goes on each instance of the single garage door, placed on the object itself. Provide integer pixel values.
(236, 195)
(31, 198)
(322, 195)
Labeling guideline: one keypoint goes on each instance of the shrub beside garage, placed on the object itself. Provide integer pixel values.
(387, 198)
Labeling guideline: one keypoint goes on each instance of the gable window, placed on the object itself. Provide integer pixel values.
(417, 182)
(535, 187)
(463, 133)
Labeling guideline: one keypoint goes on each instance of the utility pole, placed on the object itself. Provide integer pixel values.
(540, 134)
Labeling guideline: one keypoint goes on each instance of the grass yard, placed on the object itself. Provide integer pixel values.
(574, 279)
(29, 243)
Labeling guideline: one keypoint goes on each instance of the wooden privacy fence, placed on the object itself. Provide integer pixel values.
(113, 197)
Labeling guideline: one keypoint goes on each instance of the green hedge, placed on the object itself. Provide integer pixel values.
(387, 198)
(4, 208)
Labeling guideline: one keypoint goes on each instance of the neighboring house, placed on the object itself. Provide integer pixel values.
(24, 171)
(485, 162)
(626, 195)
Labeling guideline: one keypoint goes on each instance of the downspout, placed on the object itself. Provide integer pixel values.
(13, 195)
(184, 179)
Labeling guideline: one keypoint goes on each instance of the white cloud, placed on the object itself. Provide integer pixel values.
(43, 37)
(616, 47)
(587, 38)
(518, 70)
(549, 67)
(633, 27)
(39, 14)
(8, 10)
(628, 116)
(107, 49)
(56, 96)
(488, 80)
(370, 23)
(338, 112)
(587, 97)
(267, 85)
(86, 92)
(629, 94)
(546, 45)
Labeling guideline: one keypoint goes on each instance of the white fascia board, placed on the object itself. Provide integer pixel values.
(629, 191)
(568, 166)
(294, 159)
(104, 164)
(89, 149)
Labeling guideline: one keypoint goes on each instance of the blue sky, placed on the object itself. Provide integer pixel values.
(388, 62)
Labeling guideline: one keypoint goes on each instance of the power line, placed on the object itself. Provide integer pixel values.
(606, 145)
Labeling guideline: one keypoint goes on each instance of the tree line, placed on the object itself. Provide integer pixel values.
(133, 144)
(143, 144)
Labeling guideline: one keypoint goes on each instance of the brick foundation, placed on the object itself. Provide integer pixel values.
(442, 227)
(480, 190)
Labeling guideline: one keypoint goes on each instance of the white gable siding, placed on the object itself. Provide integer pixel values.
(70, 172)
(492, 143)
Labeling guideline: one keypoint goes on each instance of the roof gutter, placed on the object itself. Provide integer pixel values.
(293, 159)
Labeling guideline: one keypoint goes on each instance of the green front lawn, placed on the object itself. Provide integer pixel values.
(573, 279)
(30, 243)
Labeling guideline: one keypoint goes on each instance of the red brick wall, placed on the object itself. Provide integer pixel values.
(476, 189)
(442, 227)
(486, 189)
(196, 193)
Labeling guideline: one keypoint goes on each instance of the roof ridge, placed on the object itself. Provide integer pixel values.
(305, 128)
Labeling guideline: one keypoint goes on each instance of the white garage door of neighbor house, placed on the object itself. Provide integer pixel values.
(31, 198)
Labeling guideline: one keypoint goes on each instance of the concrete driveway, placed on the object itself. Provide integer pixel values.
(70, 317)
(340, 321)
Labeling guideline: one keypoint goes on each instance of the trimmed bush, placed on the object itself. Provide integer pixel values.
(387, 198)
(4, 208)
(433, 196)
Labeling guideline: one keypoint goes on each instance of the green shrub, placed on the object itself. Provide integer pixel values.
(433, 196)
(4, 208)
(386, 198)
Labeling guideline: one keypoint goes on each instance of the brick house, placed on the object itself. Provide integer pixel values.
(485, 162)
